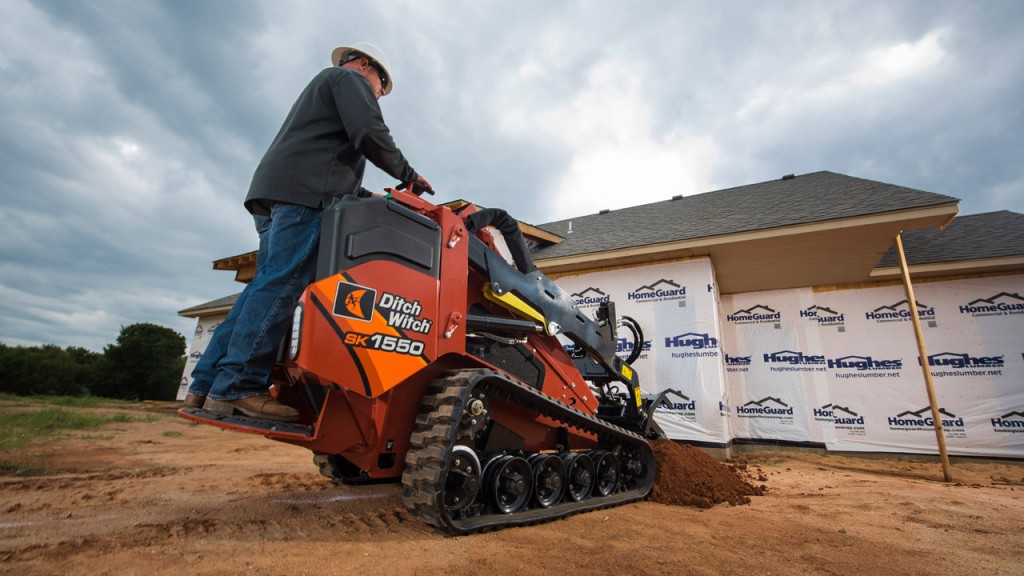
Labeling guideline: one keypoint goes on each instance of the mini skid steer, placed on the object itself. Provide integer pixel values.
(420, 354)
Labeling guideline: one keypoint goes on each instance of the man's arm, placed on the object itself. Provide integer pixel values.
(365, 125)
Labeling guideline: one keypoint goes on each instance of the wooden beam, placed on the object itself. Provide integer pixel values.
(923, 352)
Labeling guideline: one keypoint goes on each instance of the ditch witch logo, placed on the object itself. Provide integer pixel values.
(900, 312)
(1012, 423)
(356, 302)
(921, 420)
(823, 316)
(768, 407)
(661, 290)
(757, 314)
(590, 297)
(1002, 304)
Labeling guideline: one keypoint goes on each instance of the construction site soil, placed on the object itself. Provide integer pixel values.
(159, 495)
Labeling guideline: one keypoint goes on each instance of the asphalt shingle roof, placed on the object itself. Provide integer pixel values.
(815, 197)
(218, 303)
(988, 235)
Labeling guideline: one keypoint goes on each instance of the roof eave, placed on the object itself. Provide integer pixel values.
(777, 258)
(1006, 263)
(939, 216)
(198, 311)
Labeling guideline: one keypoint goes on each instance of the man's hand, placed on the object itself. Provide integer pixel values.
(421, 181)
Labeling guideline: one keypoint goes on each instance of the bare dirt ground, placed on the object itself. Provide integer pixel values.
(164, 496)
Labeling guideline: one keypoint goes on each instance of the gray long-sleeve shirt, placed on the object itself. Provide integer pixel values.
(322, 148)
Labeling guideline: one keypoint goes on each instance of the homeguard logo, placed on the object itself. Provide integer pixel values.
(212, 328)
(661, 290)
(354, 301)
(900, 312)
(1012, 423)
(1002, 304)
(919, 420)
(691, 340)
(590, 297)
(195, 356)
(686, 408)
(840, 416)
(757, 314)
(199, 331)
(768, 407)
(823, 316)
(737, 363)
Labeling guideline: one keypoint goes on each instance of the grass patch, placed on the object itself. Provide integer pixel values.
(20, 428)
(19, 469)
(173, 433)
(13, 400)
(99, 437)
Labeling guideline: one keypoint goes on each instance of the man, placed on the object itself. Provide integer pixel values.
(320, 153)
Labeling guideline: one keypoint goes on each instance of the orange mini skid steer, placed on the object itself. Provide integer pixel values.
(419, 353)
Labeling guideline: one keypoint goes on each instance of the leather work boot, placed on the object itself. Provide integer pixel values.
(263, 406)
(194, 400)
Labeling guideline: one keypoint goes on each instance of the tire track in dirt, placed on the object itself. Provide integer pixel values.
(392, 524)
(70, 481)
(270, 506)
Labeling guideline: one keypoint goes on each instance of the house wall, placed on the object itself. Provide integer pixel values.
(842, 368)
(205, 327)
(837, 368)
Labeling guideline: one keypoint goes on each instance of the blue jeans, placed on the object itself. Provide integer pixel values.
(239, 358)
(206, 369)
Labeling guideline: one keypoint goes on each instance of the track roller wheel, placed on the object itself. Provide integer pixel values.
(548, 479)
(508, 481)
(580, 472)
(463, 480)
(607, 472)
(636, 469)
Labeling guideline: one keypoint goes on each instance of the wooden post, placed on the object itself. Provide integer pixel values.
(923, 352)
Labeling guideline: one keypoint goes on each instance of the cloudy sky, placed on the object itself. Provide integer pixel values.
(129, 129)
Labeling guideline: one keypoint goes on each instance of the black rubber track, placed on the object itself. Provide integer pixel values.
(436, 431)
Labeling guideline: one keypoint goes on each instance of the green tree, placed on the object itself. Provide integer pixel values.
(39, 370)
(90, 367)
(144, 364)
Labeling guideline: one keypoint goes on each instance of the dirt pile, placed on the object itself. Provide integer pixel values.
(688, 477)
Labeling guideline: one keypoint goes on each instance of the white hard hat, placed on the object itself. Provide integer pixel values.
(370, 51)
